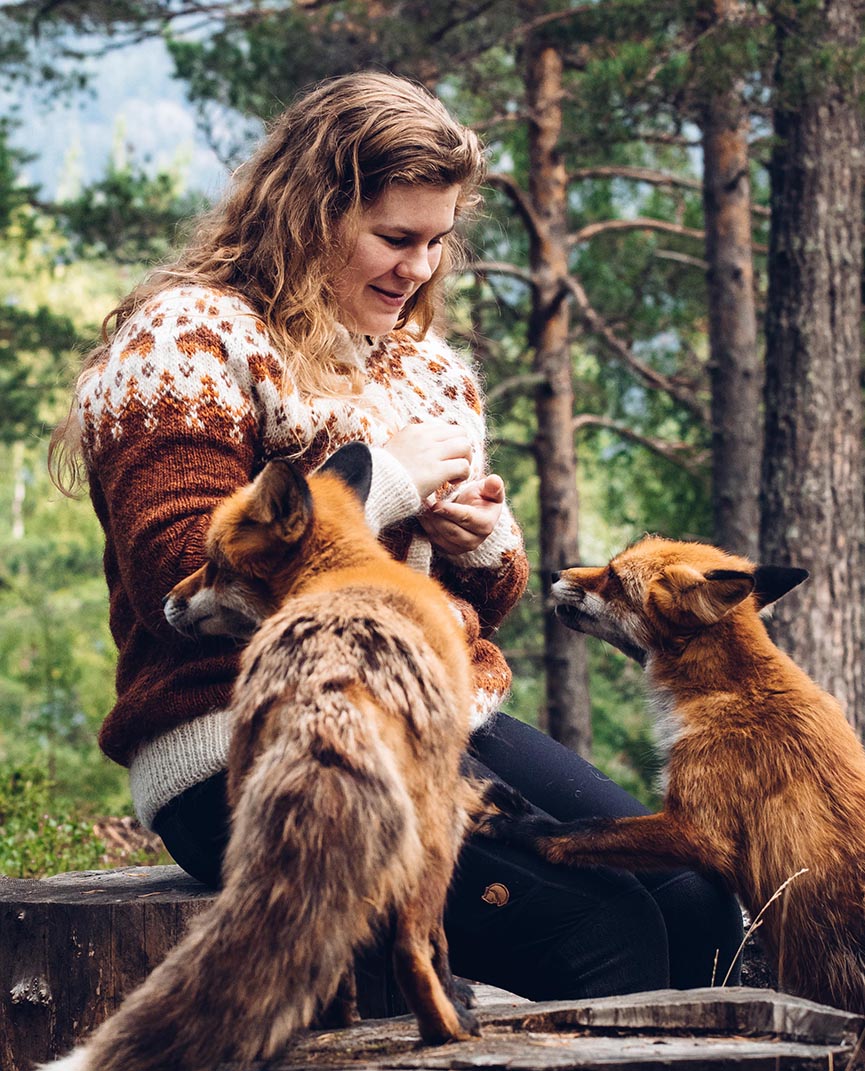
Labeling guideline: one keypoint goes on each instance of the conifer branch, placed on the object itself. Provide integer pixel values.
(519, 199)
(637, 174)
(640, 223)
(594, 323)
(513, 383)
(497, 267)
(688, 457)
(681, 258)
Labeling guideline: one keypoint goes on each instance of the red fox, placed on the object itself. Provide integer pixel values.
(348, 806)
(764, 774)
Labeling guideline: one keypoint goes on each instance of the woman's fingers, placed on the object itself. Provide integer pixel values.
(432, 453)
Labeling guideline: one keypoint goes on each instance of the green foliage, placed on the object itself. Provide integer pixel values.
(257, 62)
(34, 842)
(34, 338)
(32, 349)
(57, 657)
(13, 193)
(817, 60)
(43, 45)
(56, 654)
(128, 216)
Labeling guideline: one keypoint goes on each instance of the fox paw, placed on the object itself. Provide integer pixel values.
(468, 1021)
(463, 994)
(501, 805)
(521, 830)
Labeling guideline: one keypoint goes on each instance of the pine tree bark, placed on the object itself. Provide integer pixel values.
(735, 365)
(813, 494)
(568, 716)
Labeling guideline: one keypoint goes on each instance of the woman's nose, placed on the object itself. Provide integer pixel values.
(415, 266)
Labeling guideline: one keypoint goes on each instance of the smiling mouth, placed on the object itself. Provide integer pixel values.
(394, 298)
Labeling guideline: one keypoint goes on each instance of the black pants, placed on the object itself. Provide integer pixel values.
(513, 920)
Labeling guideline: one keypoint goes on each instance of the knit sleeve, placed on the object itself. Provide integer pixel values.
(392, 495)
(170, 428)
(493, 577)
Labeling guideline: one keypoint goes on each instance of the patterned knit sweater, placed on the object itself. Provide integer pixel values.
(187, 405)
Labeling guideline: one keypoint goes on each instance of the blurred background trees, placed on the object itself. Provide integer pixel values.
(673, 217)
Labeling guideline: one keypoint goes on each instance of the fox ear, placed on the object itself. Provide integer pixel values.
(684, 594)
(280, 498)
(773, 581)
(353, 464)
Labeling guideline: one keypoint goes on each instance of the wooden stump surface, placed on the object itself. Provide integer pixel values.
(71, 947)
(692, 1030)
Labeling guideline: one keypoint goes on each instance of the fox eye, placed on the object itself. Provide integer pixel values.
(613, 584)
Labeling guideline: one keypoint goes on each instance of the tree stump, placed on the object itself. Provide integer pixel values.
(669, 1030)
(72, 946)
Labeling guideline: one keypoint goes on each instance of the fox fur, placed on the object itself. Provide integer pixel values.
(764, 775)
(348, 806)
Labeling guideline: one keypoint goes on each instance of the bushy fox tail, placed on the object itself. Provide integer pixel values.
(321, 845)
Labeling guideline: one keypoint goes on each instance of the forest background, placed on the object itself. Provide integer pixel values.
(663, 296)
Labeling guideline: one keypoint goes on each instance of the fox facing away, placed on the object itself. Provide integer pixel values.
(352, 712)
(764, 774)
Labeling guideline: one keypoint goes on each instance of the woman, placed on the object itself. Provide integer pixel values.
(298, 319)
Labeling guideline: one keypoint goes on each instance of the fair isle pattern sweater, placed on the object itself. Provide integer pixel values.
(188, 404)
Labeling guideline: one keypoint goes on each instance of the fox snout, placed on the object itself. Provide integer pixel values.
(590, 600)
(200, 606)
(571, 586)
(176, 609)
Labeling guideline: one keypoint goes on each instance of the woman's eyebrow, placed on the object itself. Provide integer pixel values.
(410, 232)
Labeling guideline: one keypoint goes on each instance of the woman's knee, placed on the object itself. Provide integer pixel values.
(546, 932)
(704, 926)
(621, 948)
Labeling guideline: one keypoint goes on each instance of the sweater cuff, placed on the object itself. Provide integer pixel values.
(495, 550)
(392, 495)
(168, 765)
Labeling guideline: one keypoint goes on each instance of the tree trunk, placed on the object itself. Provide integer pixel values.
(813, 483)
(568, 714)
(735, 366)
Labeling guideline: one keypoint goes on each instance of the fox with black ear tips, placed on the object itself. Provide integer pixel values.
(349, 808)
(765, 777)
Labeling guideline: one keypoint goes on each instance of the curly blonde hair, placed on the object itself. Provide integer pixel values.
(289, 219)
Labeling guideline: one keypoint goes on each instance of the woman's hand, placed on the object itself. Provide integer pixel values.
(461, 523)
(432, 453)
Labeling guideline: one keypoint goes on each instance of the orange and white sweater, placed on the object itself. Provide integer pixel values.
(188, 404)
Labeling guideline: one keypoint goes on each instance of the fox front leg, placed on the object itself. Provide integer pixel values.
(647, 842)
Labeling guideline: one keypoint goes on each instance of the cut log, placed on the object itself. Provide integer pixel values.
(72, 946)
(691, 1030)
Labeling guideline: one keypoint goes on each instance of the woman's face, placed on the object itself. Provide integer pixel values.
(399, 245)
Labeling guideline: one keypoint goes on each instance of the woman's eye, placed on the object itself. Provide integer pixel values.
(402, 242)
